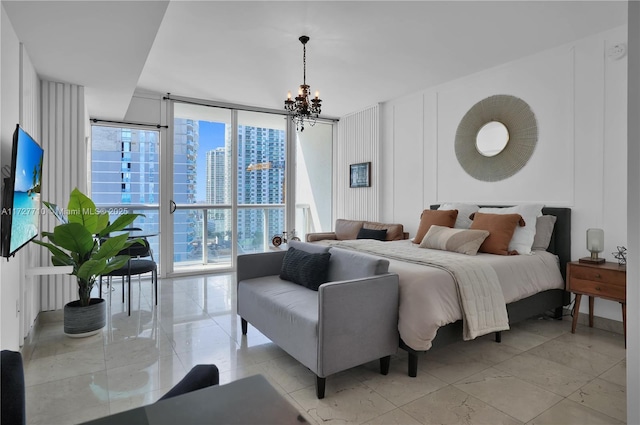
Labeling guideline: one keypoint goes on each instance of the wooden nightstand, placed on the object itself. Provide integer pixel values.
(606, 280)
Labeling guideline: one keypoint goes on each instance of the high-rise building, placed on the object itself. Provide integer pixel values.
(217, 177)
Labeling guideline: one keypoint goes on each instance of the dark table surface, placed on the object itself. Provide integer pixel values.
(249, 400)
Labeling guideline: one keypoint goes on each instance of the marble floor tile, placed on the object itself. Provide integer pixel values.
(575, 357)
(539, 374)
(544, 373)
(570, 412)
(511, 395)
(451, 406)
(603, 396)
(399, 388)
(617, 374)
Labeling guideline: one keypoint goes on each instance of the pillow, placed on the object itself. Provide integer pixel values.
(305, 268)
(463, 241)
(464, 211)
(522, 239)
(501, 228)
(308, 247)
(446, 218)
(380, 235)
(395, 232)
(544, 230)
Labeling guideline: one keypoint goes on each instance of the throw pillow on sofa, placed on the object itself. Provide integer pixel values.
(380, 235)
(304, 268)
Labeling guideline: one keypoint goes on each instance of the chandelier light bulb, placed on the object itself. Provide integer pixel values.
(317, 94)
(289, 95)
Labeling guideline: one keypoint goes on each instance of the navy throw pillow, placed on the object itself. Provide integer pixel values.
(305, 268)
(380, 235)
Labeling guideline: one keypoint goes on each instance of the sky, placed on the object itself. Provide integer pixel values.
(211, 136)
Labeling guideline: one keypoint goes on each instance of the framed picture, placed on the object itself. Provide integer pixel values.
(360, 175)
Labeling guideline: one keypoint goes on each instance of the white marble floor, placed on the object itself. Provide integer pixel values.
(539, 374)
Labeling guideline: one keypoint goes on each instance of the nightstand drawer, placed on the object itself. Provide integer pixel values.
(599, 289)
(611, 277)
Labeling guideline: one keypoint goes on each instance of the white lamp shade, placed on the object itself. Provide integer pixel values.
(595, 240)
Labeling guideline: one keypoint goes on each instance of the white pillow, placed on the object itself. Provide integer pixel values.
(464, 211)
(522, 238)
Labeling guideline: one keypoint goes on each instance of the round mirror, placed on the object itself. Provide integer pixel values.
(492, 138)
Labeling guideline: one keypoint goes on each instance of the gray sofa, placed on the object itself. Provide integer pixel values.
(352, 319)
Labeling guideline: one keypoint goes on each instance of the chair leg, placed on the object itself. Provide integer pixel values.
(385, 362)
(129, 293)
(122, 288)
(320, 384)
(244, 326)
(100, 287)
(154, 278)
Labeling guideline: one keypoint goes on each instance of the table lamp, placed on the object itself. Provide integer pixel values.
(595, 245)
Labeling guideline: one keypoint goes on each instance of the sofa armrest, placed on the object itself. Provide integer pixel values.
(357, 322)
(260, 264)
(313, 237)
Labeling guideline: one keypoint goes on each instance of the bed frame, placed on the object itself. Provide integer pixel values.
(518, 311)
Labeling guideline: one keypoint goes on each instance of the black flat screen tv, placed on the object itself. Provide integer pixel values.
(21, 195)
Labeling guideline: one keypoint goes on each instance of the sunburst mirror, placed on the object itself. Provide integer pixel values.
(496, 138)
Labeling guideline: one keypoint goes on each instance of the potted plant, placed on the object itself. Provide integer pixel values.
(83, 241)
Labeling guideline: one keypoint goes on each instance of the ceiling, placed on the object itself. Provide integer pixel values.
(360, 52)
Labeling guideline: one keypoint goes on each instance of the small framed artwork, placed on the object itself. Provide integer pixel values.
(360, 175)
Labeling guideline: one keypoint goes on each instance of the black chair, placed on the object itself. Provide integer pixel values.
(200, 376)
(138, 264)
(13, 391)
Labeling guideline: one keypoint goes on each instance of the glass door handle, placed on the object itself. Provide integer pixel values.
(172, 206)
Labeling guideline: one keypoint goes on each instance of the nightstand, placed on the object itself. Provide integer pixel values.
(606, 280)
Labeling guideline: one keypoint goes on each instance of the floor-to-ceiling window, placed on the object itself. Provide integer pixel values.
(125, 175)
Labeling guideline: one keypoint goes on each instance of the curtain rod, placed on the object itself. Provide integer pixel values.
(96, 120)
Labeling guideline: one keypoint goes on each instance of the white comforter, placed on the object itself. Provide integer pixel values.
(429, 296)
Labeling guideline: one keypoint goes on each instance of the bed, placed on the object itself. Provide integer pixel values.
(430, 314)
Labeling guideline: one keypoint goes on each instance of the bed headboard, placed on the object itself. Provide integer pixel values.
(560, 240)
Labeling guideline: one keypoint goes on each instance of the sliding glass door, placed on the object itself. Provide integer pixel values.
(200, 206)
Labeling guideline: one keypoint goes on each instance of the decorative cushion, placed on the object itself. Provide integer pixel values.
(347, 229)
(380, 235)
(522, 239)
(464, 241)
(395, 232)
(464, 211)
(501, 228)
(304, 268)
(308, 247)
(446, 218)
(544, 231)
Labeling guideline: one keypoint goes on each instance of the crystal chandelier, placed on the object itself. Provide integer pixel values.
(301, 108)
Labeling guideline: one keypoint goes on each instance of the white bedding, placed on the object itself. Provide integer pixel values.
(429, 298)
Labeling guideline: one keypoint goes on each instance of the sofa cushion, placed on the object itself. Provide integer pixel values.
(395, 232)
(305, 268)
(345, 265)
(380, 235)
(347, 229)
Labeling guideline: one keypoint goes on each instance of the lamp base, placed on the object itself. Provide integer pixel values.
(589, 260)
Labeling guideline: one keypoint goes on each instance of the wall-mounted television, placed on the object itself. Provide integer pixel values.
(21, 193)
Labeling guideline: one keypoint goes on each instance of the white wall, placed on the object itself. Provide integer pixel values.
(19, 104)
(579, 98)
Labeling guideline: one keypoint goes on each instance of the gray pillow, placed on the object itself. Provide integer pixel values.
(544, 230)
(304, 268)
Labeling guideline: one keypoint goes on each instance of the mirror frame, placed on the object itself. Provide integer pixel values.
(520, 121)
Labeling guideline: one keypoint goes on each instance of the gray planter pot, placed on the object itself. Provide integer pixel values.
(85, 321)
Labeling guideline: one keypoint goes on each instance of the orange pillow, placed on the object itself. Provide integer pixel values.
(446, 218)
(500, 227)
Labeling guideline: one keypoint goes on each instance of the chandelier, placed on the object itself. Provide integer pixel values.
(301, 108)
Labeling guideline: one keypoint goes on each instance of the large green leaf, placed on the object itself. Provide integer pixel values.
(111, 246)
(83, 211)
(103, 221)
(115, 263)
(90, 268)
(53, 249)
(75, 238)
(120, 223)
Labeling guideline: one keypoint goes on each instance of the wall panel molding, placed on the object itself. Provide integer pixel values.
(358, 141)
(63, 140)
